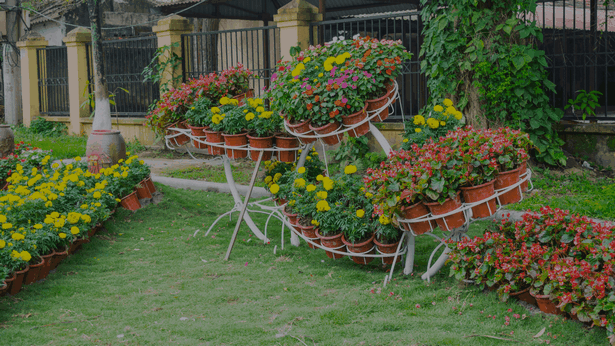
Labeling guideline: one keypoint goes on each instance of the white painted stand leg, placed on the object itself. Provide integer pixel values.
(437, 265)
(409, 254)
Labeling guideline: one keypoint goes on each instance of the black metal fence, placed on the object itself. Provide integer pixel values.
(53, 94)
(257, 49)
(125, 60)
(407, 27)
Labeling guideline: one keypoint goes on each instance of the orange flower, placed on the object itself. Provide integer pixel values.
(336, 86)
(317, 98)
(379, 63)
(332, 115)
(388, 72)
(328, 88)
(309, 92)
(338, 103)
(309, 106)
(294, 96)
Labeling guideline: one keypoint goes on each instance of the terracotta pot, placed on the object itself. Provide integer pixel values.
(18, 282)
(143, 190)
(524, 296)
(506, 179)
(44, 270)
(286, 143)
(546, 305)
(34, 272)
(366, 247)
(522, 174)
(356, 118)
(3, 288)
(182, 138)
(58, 257)
(387, 248)
(330, 127)
(150, 185)
(76, 245)
(9, 282)
(292, 218)
(280, 202)
(302, 128)
(131, 202)
(198, 132)
(7, 140)
(261, 142)
(214, 137)
(238, 140)
(413, 212)
(478, 193)
(378, 103)
(310, 232)
(333, 242)
(93, 230)
(241, 97)
(452, 221)
(104, 149)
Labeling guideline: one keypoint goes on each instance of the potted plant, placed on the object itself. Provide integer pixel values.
(261, 126)
(199, 120)
(387, 241)
(238, 81)
(234, 125)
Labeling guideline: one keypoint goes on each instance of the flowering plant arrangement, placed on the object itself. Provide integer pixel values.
(199, 114)
(26, 156)
(261, 123)
(237, 79)
(435, 124)
(280, 177)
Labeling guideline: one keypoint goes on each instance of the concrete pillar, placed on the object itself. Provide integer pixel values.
(29, 75)
(76, 41)
(169, 31)
(294, 20)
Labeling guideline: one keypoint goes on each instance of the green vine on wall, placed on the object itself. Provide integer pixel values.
(481, 54)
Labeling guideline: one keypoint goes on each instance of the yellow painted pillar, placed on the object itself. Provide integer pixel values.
(169, 31)
(29, 75)
(294, 20)
(76, 41)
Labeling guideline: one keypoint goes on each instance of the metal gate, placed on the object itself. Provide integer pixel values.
(257, 49)
(53, 97)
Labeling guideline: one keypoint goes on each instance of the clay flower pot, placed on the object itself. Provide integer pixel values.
(378, 103)
(238, 140)
(310, 233)
(214, 137)
(9, 283)
(261, 142)
(324, 130)
(302, 128)
(356, 118)
(506, 179)
(449, 222)
(292, 218)
(34, 272)
(366, 247)
(182, 138)
(44, 270)
(283, 142)
(131, 202)
(241, 97)
(76, 245)
(198, 132)
(546, 305)
(387, 249)
(524, 296)
(413, 212)
(58, 257)
(18, 282)
(143, 190)
(523, 174)
(333, 242)
(3, 288)
(479, 193)
(150, 185)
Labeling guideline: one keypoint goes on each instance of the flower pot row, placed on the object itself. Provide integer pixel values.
(145, 189)
(473, 194)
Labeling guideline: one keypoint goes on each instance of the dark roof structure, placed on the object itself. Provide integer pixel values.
(265, 9)
(54, 9)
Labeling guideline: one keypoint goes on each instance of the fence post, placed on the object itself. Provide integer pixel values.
(29, 75)
(169, 31)
(294, 19)
(76, 41)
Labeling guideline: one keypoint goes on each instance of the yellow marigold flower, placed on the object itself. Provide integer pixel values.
(322, 194)
(320, 75)
(340, 59)
(74, 230)
(268, 179)
(249, 116)
(310, 188)
(458, 115)
(419, 120)
(86, 218)
(277, 176)
(369, 195)
(2, 218)
(300, 182)
(360, 213)
(225, 100)
(301, 170)
(25, 255)
(62, 235)
(433, 123)
(7, 225)
(350, 169)
(274, 188)
(17, 236)
(215, 110)
(96, 194)
(384, 220)
(2, 243)
(307, 59)
(322, 206)
(438, 108)
(327, 183)
(320, 177)
(48, 204)
(448, 102)
(260, 109)
(77, 158)
(442, 123)
(450, 110)
(38, 226)
(315, 223)
(405, 140)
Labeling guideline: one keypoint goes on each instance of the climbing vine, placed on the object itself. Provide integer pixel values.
(481, 54)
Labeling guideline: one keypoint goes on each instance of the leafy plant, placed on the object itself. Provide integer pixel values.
(352, 151)
(45, 127)
(585, 102)
(164, 61)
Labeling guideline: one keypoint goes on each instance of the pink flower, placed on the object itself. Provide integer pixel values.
(418, 306)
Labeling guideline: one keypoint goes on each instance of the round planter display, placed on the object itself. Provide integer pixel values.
(143, 190)
(238, 140)
(302, 128)
(504, 180)
(333, 242)
(261, 142)
(198, 132)
(310, 233)
(214, 137)
(479, 193)
(7, 140)
(324, 130)
(366, 247)
(352, 119)
(34, 272)
(378, 103)
(413, 212)
(450, 222)
(18, 282)
(131, 202)
(283, 142)
(388, 249)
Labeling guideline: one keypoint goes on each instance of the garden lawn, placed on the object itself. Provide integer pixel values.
(242, 173)
(581, 193)
(147, 281)
(63, 146)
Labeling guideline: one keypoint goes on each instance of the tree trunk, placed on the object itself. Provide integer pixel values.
(102, 113)
(13, 112)
(211, 47)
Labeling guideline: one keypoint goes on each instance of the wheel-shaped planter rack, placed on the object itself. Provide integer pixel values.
(406, 245)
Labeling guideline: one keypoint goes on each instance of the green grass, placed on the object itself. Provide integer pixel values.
(579, 193)
(215, 174)
(63, 147)
(147, 281)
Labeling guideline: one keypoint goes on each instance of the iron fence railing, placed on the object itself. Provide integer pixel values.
(125, 60)
(257, 49)
(405, 26)
(53, 96)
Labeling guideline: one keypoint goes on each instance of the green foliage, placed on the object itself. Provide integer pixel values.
(134, 146)
(42, 126)
(352, 151)
(484, 45)
(586, 103)
(199, 115)
(164, 59)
